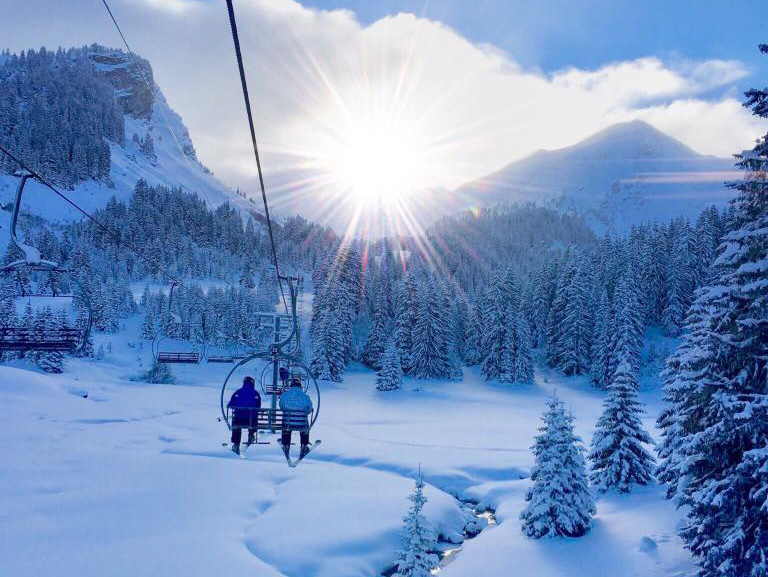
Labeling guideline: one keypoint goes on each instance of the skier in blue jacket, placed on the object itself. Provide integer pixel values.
(300, 405)
(244, 403)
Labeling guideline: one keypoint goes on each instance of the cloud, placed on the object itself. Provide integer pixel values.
(314, 74)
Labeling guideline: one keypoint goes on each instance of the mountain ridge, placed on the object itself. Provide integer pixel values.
(151, 144)
(620, 176)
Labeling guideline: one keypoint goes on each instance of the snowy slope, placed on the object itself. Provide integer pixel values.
(133, 480)
(174, 163)
(626, 174)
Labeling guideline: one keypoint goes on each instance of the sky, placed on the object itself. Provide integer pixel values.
(406, 95)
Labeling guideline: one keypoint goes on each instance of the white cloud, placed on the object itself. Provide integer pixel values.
(313, 74)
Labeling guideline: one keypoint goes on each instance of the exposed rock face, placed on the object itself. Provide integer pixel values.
(128, 74)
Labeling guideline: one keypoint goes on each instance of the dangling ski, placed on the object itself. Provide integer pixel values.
(292, 463)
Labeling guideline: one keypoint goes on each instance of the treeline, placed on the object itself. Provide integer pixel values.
(173, 233)
(220, 316)
(582, 306)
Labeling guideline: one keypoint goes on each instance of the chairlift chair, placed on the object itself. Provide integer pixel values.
(272, 418)
(168, 356)
(23, 339)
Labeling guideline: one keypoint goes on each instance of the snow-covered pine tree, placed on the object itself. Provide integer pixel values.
(390, 377)
(418, 538)
(574, 331)
(47, 324)
(601, 342)
(431, 357)
(477, 326)
(522, 366)
(679, 282)
(373, 350)
(246, 275)
(148, 326)
(559, 501)
(618, 458)
(542, 299)
(460, 328)
(266, 290)
(158, 374)
(628, 325)
(327, 350)
(471, 326)
(715, 429)
(557, 311)
(405, 319)
(496, 357)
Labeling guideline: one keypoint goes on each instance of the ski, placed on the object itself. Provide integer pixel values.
(293, 464)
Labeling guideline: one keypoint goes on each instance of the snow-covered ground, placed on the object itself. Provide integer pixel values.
(133, 480)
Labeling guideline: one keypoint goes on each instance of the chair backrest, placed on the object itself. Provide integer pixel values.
(266, 419)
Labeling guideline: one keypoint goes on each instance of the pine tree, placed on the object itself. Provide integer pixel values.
(390, 377)
(619, 459)
(680, 276)
(327, 355)
(559, 501)
(148, 329)
(522, 361)
(500, 340)
(373, 350)
(574, 338)
(159, 374)
(601, 342)
(557, 312)
(716, 425)
(628, 326)
(431, 342)
(45, 326)
(405, 320)
(418, 538)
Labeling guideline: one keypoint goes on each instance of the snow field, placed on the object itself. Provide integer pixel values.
(133, 480)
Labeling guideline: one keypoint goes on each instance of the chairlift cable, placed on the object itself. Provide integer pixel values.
(246, 98)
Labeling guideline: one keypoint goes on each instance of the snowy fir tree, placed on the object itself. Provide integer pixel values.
(715, 428)
(417, 539)
(327, 353)
(601, 342)
(626, 341)
(158, 374)
(559, 503)
(618, 457)
(522, 366)
(390, 376)
(46, 326)
(405, 320)
(498, 344)
(431, 358)
(375, 343)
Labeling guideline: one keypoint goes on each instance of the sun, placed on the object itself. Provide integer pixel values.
(376, 162)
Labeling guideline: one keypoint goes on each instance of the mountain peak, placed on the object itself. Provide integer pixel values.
(634, 139)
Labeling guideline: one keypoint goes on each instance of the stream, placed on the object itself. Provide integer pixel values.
(478, 521)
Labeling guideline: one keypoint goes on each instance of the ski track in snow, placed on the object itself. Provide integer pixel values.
(133, 480)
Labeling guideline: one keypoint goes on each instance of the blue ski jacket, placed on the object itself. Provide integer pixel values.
(295, 399)
(245, 398)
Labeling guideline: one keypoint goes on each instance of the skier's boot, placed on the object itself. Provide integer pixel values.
(251, 438)
(304, 451)
(286, 449)
(235, 448)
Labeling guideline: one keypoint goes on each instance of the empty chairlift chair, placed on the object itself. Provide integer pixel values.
(167, 356)
(29, 272)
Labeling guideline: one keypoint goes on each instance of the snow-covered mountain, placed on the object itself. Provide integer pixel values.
(153, 144)
(623, 175)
